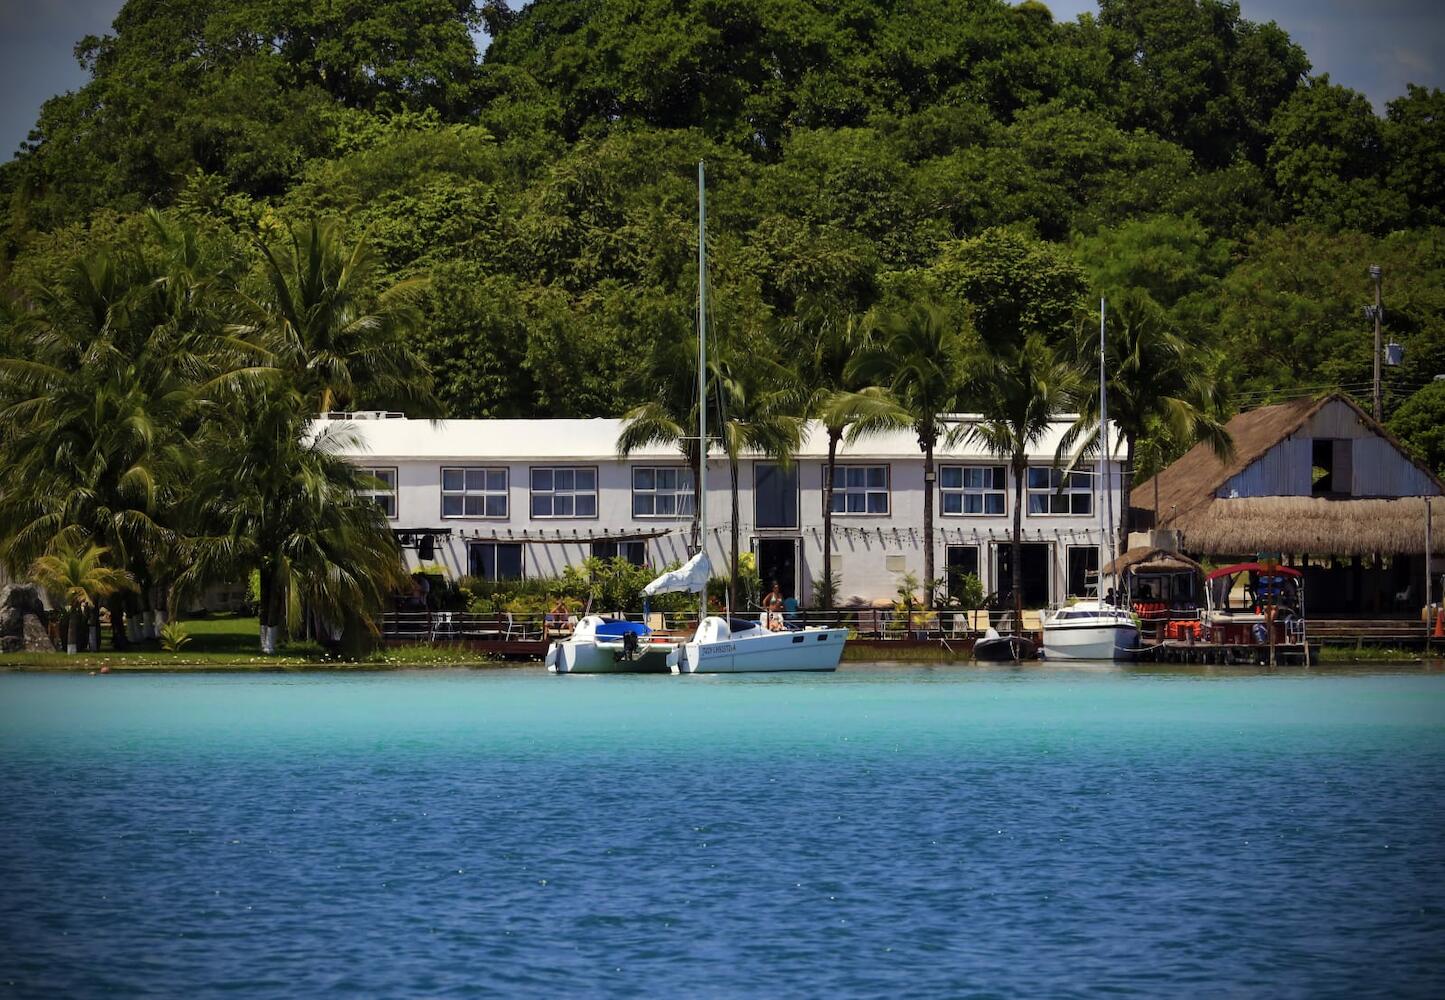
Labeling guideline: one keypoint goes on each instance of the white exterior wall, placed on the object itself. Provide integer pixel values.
(862, 544)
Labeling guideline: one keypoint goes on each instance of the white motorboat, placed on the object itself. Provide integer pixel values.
(725, 644)
(1090, 630)
(609, 646)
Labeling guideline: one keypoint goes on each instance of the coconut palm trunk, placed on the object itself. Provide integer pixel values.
(927, 438)
(117, 623)
(73, 626)
(733, 540)
(835, 434)
(1016, 542)
(265, 610)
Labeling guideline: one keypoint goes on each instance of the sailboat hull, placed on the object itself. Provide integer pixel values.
(814, 649)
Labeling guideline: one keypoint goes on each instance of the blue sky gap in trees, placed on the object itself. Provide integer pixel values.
(1374, 46)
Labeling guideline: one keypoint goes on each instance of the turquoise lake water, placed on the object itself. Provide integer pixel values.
(879, 832)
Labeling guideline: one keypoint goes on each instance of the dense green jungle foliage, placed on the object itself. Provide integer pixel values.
(858, 150)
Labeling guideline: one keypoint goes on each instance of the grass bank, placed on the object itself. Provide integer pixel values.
(1345, 653)
(233, 643)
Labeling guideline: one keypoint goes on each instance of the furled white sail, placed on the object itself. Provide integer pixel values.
(691, 577)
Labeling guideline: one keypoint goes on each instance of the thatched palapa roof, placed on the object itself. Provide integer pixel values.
(1313, 525)
(1152, 560)
(1214, 525)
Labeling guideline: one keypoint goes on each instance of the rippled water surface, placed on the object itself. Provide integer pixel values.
(881, 831)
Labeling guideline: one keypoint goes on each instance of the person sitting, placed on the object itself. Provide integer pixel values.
(557, 617)
(791, 615)
(773, 608)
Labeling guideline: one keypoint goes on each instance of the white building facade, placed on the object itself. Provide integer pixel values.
(504, 499)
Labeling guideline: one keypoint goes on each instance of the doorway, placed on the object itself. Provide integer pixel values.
(1035, 575)
(778, 560)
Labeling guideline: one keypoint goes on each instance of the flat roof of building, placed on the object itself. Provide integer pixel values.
(399, 438)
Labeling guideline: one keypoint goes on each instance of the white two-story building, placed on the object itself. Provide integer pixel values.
(506, 499)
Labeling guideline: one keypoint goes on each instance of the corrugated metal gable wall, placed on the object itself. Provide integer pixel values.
(1283, 471)
(1381, 471)
(1374, 467)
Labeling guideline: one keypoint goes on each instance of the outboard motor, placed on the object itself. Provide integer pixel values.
(629, 645)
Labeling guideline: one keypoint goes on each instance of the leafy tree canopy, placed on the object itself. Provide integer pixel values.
(859, 152)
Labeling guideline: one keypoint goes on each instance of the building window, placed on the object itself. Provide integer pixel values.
(775, 495)
(959, 561)
(568, 491)
(634, 551)
(474, 492)
(1083, 569)
(383, 491)
(661, 491)
(495, 560)
(1054, 492)
(972, 489)
(860, 489)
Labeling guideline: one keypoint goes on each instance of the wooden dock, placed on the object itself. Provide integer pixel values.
(1174, 651)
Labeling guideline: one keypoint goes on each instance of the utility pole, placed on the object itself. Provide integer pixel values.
(1377, 314)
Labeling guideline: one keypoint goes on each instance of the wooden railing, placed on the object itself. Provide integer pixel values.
(866, 623)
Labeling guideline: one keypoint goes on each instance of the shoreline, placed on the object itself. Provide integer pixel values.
(148, 663)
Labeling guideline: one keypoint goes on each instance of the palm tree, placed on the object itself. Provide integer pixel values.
(1160, 387)
(754, 403)
(102, 387)
(340, 339)
(914, 368)
(826, 339)
(286, 504)
(78, 578)
(1022, 390)
(669, 418)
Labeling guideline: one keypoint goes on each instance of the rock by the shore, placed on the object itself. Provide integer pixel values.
(23, 597)
(22, 620)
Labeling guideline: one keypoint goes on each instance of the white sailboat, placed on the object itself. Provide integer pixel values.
(1094, 630)
(730, 644)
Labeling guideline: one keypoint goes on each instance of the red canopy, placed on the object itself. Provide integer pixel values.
(1251, 568)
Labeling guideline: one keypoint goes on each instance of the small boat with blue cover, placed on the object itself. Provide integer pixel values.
(610, 646)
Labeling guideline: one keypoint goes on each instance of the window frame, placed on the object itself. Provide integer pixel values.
(678, 493)
(394, 493)
(783, 469)
(505, 492)
(1059, 490)
(1069, 550)
(963, 490)
(866, 491)
(978, 556)
(476, 543)
(617, 544)
(574, 493)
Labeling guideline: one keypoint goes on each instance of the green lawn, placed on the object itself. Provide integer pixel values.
(233, 643)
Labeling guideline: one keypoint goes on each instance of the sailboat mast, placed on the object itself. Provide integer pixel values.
(1107, 507)
(702, 373)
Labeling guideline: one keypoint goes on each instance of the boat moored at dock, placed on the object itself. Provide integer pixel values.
(1090, 630)
(609, 646)
(725, 645)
